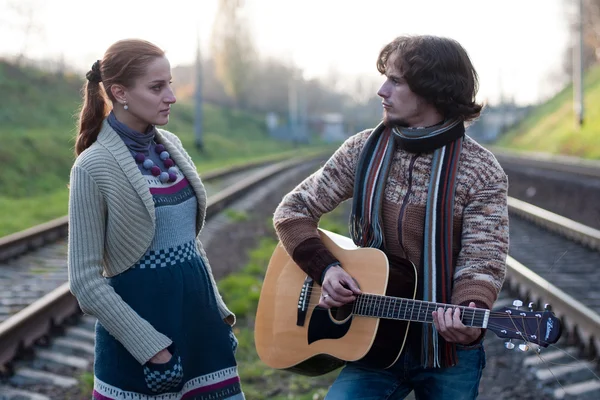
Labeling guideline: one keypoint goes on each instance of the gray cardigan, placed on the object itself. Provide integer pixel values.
(111, 225)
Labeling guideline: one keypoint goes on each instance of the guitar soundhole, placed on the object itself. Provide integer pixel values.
(341, 313)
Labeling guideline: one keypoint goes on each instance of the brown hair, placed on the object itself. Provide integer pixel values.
(437, 69)
(123, 62)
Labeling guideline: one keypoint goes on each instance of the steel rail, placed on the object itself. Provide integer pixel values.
(552, 222)
(553, 162)
(577, 319)
(19, 243)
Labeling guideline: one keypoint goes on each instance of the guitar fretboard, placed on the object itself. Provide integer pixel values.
(372, 305)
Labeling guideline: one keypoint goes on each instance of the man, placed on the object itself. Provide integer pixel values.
(424, 191)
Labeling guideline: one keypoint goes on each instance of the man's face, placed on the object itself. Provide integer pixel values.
(401, 106)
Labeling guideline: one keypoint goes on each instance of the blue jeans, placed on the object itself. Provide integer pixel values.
(461, 382)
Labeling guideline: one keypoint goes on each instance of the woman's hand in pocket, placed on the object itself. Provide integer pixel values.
(162, 357)
(166, 373)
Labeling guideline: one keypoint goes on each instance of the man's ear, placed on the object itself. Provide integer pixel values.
(119, 93)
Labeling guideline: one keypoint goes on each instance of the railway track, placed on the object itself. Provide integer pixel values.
(556, 260)
(19, 243)
(557, 163)
(562, 185)
(33, 262)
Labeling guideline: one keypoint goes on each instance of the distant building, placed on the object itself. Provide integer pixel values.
(495, 120)
(272, 121)
(330, 127)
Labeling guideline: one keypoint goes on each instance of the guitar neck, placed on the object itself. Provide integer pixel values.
(387, 307)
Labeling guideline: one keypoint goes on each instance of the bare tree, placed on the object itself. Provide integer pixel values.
(591, 33)
(23, 18)
(232, 50)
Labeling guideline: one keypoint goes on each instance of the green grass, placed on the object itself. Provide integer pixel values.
(551, 127)
(236, 216)
(21, 213)
(241, 292)
(86, 384)
(37, 126)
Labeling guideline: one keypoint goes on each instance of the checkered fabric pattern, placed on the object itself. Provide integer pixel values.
(234, 341)
(163, 377)
(167, 257)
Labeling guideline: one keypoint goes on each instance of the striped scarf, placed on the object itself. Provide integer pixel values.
(435, 280)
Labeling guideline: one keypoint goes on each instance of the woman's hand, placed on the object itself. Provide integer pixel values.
(162, 357)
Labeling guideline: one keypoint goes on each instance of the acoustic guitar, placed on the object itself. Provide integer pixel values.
(293, 333)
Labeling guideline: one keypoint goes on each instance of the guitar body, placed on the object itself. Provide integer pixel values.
(292, 333)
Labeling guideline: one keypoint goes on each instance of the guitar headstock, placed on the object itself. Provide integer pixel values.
(540, 327)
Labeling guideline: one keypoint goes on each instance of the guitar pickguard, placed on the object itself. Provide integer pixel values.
(321, 326)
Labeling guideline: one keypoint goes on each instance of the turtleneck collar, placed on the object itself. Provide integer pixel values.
(426, 140)
(136, 141)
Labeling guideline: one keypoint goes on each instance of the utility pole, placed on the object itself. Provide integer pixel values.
(502, 105)
(301, 110)
(198, 117)
(578, 64)
(293, 104)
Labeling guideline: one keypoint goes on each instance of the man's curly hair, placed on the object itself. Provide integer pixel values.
(437, 69)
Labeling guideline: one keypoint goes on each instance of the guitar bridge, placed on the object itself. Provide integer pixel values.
(303, 300)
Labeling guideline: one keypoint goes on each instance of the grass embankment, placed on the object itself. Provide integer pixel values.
(551, 127)
(37, 126)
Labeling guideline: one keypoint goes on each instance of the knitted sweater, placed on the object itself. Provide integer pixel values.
(111, 225)
(480, 243)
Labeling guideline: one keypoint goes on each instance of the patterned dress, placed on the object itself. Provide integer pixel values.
(170, 288)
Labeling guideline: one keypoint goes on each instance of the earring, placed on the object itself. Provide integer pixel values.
(125, 106)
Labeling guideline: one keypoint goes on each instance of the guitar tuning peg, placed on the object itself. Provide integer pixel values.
(509, 345)
(547, 307)
(517, 303)
(523, 347)
(530, 306)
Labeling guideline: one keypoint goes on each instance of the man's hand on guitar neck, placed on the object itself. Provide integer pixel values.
(338, 288)
(449, 325)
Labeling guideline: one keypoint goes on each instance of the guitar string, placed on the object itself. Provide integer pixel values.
(382, 306)
(521, 317)
(569, 355)
(555, 347)
(373, 307)
(369, 304)
(372, 301)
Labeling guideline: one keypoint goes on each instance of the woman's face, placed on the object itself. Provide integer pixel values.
(149, 99)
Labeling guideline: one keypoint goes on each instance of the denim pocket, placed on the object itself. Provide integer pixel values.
(161, 378)
(473, 354)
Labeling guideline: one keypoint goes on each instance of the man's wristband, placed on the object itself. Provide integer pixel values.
(334, 264)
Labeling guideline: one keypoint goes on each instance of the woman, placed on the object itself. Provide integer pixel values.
(136, 208)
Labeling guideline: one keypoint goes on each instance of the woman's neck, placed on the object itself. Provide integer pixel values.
(131, 120)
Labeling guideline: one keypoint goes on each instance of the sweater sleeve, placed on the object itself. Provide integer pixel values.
(225, 313)
(87, 216)
(481, 264)
(297, 217)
